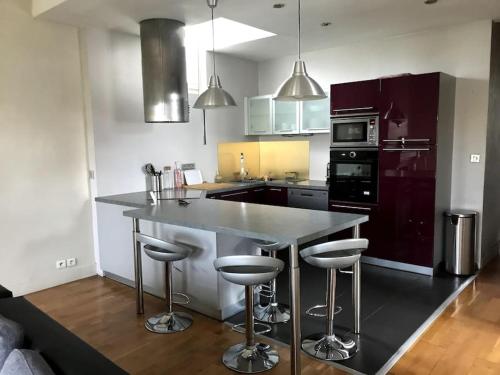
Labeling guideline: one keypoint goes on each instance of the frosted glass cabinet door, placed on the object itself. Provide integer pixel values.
(315, 116)
(286, 117)
(259, 115)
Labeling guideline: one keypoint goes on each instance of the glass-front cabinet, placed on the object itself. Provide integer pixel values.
(315, 116)
(259, 115)
(265, 116)
(286, 117)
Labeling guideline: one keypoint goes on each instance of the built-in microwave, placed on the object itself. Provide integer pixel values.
(354, 131)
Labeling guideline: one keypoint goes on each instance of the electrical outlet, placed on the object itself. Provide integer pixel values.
(61, 264)
(71, 262)
(475, 158)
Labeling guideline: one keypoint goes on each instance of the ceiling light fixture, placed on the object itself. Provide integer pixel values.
(215, 96)
(299, 86)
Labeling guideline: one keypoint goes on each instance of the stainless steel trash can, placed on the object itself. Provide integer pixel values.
(460, 241)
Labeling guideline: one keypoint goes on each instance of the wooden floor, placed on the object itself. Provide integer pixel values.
(464, 340)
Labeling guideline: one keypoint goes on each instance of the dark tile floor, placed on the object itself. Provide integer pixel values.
(394, 305)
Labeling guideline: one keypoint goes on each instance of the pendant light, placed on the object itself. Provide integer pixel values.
(215, 96)
(299, 86)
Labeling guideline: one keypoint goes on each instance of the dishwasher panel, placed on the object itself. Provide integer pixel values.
(306, 198)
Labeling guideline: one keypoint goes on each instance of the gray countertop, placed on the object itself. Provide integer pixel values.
(142, 198)
(284, 224)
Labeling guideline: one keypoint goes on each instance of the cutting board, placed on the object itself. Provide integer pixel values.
(210, 186)
(193, 177)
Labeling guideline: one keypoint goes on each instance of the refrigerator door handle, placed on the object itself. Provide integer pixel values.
(404, 140)
(407, 149)
(350, 207)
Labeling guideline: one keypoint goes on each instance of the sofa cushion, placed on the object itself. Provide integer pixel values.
(11, 337)
(5, 293)
(65, 353)
(25, 362)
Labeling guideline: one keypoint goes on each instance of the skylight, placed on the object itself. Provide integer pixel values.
(227, 33)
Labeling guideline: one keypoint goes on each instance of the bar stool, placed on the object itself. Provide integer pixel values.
(169, 321)
(332, 256)
(274, 312)
(249, 270)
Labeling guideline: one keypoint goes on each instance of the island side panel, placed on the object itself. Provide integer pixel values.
(194, 276)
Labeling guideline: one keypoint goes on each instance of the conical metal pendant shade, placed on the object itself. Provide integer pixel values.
(215, 96)
(300, 86)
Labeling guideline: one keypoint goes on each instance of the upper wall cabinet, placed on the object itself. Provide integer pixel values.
(362, 96)
(286, 117)
(259, 115)
(265, 116)
(315, 117)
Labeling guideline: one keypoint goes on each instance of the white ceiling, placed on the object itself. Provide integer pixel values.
(352, 20)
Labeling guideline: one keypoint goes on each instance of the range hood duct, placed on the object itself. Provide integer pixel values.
(164, 80)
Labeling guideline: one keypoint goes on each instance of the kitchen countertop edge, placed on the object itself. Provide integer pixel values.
(141, 199)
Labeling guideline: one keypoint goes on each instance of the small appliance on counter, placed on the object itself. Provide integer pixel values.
(293, 177)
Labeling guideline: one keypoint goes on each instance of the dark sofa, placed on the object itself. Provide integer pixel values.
(64, 352)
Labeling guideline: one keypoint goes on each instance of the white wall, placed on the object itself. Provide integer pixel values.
(44, 188)
(40, 6)
(124, 143)
(462, 51)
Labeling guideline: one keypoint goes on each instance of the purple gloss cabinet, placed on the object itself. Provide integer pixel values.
(415, 158)
(362, 96)
(416, 146)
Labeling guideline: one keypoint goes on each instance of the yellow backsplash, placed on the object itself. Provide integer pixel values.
(264, 159)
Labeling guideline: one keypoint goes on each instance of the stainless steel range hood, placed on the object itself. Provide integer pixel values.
(164, 71)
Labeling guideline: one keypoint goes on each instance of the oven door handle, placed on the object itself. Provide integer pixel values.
(351, 207)
(351, 109)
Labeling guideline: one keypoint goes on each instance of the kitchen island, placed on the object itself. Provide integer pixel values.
(219, 228)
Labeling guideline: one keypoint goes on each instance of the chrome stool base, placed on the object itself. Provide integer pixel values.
(169, 322)
(329, 348)
(241, 328)
(273, 313)
(250, 360)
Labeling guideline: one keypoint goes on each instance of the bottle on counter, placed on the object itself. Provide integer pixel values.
(178, 177)
(243, 172)
(168, 179)
(218, 178)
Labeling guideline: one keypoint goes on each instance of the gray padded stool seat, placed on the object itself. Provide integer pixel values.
(332, 256)
(249, 270)
(162, 251)
(273, 312)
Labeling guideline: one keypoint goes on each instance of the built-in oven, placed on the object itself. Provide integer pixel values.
(354, 131)
(354, 175)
